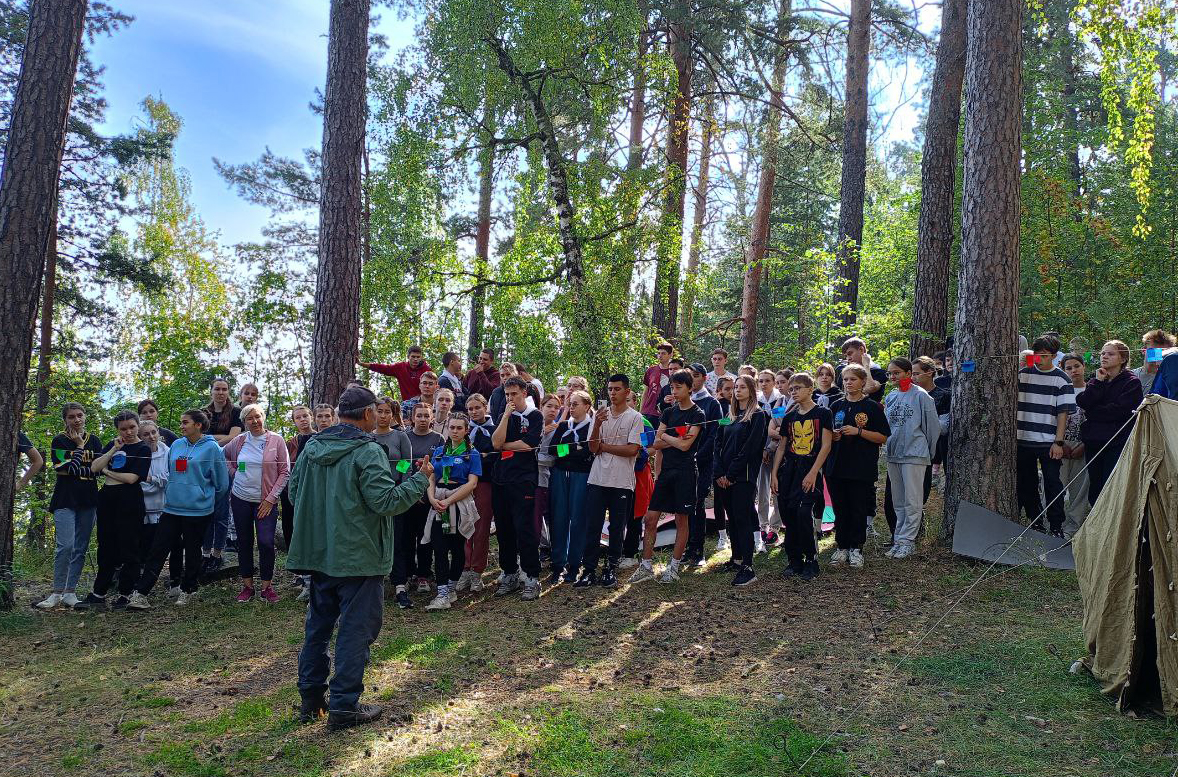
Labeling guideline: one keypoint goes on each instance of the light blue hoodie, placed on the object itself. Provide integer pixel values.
(204, 478)
(912, 414)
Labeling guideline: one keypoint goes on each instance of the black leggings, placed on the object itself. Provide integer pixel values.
(119, 542)
(188, 529)
(408, 551)
(1100, 467)
(449, 553)
(739, 502)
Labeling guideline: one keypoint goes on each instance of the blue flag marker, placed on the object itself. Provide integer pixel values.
(118, 460)
(779, 412)
(967, 366)
(1154, 354)
(648, 438)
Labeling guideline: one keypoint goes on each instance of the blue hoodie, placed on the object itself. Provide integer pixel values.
(195, 486)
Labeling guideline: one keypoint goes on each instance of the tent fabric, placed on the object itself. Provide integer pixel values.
(1127, 563)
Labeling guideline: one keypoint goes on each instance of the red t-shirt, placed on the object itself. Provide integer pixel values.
(407, 377)
(656, 377)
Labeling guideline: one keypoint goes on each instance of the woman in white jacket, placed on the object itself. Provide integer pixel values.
(912, 416)
(154, 486)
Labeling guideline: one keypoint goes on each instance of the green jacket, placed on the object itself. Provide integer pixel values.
(345, 499)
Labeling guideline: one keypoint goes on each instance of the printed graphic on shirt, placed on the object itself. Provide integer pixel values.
(861, 420)
(899, 413)
(803, 436)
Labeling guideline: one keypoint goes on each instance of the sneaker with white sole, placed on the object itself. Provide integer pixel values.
(722, 543)
(463, 583)
(304, 595)
(441, 601)
(423, 586)
(628, 563)
(838, 558)
(644, 572)
(69, 600)
(476, 582)
(452, 593)
(904, 551)
(507, 584)
(184, 598)
(138, 601)
(856, 558)
(531, 589)
(173, 590)
(49, 602)
(670, 574)
(891, 552)
(758, 543)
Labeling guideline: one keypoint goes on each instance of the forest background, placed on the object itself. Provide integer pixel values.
(739, 116)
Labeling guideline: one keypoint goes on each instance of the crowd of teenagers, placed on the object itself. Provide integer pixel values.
(575, 492)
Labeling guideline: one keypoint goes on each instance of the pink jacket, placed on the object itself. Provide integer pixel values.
(275, 463)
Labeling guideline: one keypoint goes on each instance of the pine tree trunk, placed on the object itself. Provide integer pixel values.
(982, 441)
(666, 283)
(699, 213)
(854, 173)
(28, 202)
(335, 342)
(759, 230)
(938, 169)
(482, 251)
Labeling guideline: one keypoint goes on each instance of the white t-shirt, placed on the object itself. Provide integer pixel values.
(712, 381)
(610, 470)
(247, 484)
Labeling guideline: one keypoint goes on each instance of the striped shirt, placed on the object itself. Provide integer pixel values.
(1042, 396)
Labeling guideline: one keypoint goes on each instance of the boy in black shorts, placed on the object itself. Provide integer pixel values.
(674, 490)
(797, 474)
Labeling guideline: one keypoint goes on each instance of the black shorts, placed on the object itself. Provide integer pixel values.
(674, 492)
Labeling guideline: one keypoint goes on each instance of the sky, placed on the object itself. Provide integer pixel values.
(240, 73)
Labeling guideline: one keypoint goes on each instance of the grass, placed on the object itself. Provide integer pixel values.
(697, 681)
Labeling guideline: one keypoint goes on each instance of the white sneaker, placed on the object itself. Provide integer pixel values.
(304, 595)
(644, 572)
(138, 601)
(441, 601)
(838, 558)
(184, 598)
(722, 543)
(463, 583)
(174, 590)
(423, 586)
(452, 593)
(891, 552)
(476, 582)
(904, 551)
(670, 574)
(628, 563)
(531, 589)
(759, 544)
(49, 602)
(69, 600)
(856, 558)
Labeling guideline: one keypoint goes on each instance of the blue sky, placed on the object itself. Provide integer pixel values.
(239, 72)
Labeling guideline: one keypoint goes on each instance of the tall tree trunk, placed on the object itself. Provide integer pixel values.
(634, 155)
(482, 251)
(699, 212)
(28, 202)
(759, 231)
(335, 341)
(854, 174)
(666, 283)
(35, 534)
(938, 171)
(982, 442)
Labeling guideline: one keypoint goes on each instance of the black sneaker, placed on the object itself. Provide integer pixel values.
(809, 570)
(730, 566)
(585, 580)
(555, 577)
(120, 603)
(364, 713)
(403, 600)
(570, 576)
(608, 578)
(792, 569)
(745, 576)
(92, 602)
(313, 708)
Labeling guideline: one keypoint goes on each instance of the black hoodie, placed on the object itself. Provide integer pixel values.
(739, 446)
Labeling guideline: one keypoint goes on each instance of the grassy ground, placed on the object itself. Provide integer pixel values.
(686, 681)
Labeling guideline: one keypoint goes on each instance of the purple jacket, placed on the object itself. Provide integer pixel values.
(1107, 405)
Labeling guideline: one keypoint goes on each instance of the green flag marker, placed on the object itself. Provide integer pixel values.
(1088, 356)
(403, 465)
(60, 454)
(562, 449)
(241, 466)
(646, 421)
(725, 421)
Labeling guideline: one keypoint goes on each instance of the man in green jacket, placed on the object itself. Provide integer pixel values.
(345, 497)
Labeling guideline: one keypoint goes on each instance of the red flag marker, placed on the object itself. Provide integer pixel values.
(1030, 360)
(506, 454)
(682, 430)
(181, 465)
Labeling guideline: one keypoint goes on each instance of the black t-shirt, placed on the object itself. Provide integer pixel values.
(127, 497)
(23, 443)
(76, 487)
(672, 418)
(222, 422)
(801, 433)
(168, 436)
(832, 396)
(519, 466)
(854, 457)
(942, 397)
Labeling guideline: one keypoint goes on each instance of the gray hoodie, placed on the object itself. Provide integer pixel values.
(155, 485)
(912, 414)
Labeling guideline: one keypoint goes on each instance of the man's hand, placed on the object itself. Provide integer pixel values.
(425, 466)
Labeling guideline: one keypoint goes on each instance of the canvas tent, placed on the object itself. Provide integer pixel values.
(1127, 561)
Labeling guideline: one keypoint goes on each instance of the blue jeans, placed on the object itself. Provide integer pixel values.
(72, 529)
(218, 527)
(357, 605)
(567, 491)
